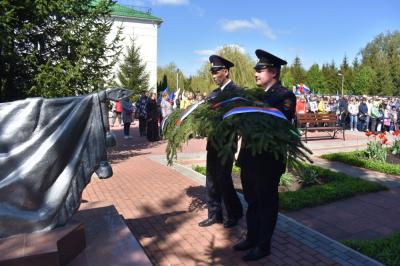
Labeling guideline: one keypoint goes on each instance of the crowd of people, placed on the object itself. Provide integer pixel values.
(150, 111)
(356, 113)
(260, 187)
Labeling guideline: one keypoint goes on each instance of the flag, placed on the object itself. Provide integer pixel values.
(303, 89)
(306, 89)
(171, 97)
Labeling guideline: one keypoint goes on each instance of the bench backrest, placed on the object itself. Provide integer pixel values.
(311, 119)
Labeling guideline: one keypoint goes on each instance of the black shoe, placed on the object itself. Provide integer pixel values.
(230, 222)
(256, 254)
(210, 221)
(243, 245)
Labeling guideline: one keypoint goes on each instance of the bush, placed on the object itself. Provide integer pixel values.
(287, 179)
(376, 151)
(358, 158)
(309, 176)
(339, 186)
(385, 250)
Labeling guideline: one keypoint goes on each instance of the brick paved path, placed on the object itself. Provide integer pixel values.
(162, 207)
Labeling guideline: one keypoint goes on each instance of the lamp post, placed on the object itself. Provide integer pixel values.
(340, 74)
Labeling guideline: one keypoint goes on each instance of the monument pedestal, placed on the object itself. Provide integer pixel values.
(56, 247)
(103, 240)
(109, 240)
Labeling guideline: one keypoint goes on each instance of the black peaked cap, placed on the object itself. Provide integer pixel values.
(218, 62)
(266, 59)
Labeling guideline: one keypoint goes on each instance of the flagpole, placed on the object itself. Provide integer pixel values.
(177, 78)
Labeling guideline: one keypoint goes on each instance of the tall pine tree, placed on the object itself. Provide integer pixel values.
(54, 48)
(394, 62)
(315, 79)
(347, 71)
(298, 72)
(364, 78)
(332, 82)
(132, 74)
(382, 55)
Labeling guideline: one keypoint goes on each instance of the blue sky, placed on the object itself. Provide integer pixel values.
(316, 31)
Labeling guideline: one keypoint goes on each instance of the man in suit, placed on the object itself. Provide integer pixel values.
(260, 173)
(219, 185)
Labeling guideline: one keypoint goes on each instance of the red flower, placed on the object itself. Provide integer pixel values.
(384, 140)
(382, 135)
(368, 133)
(396, 132)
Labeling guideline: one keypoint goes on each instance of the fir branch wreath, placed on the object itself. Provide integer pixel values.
(259, 132)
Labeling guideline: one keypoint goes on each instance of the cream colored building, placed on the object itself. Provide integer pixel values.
(143, 26)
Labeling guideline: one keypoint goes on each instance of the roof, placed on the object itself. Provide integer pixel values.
(124, 11)
(118, 10)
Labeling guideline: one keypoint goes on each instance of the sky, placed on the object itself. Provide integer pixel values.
(317, 31)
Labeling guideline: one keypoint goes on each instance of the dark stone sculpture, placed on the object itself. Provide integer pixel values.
(49, 149)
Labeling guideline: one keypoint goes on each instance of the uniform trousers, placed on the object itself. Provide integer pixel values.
(260, 175)
(219, 188)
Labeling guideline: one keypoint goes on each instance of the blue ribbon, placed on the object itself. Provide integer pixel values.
(251, 109)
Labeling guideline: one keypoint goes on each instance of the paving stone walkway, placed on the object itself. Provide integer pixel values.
(162, 206)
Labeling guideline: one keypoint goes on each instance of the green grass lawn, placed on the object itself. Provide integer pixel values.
(337, 186)
(385, 250)
(357, 158)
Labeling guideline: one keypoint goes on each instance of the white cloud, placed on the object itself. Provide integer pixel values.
(234, 46)
(234, 25)
(202, 59)
(170, 2)
(252, 24)
(204, 52)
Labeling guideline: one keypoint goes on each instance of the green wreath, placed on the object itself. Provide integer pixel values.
(260, 132)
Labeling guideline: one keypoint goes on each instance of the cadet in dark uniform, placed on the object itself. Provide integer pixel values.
(219, 185)
(260, 174)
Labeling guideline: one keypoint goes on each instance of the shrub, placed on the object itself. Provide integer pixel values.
(287, 180)
(375, 149)
(309, 176)
(385, 250)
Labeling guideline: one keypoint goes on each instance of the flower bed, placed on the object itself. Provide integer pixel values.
(313, 186)
(379, 155)
(385, 250)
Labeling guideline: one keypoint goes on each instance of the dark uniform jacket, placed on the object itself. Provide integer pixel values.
(219, 185)
(260, 175)
(281, 98)
(231, 90)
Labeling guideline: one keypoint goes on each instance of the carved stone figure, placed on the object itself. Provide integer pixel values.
(49, 149)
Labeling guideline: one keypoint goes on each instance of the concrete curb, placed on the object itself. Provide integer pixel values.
(324, 245)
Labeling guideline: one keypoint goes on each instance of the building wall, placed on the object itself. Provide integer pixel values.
(145, 34)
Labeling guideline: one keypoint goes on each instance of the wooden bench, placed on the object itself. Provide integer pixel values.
(319, 122)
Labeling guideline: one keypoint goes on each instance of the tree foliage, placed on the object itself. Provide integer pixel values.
(374, 71)
(315, 79)
(132, 74)
(54, 48)
(297, 70)
(364, 80)
(168, 76)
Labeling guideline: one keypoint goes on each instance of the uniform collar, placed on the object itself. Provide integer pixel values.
(271, 87)
(223, 86)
